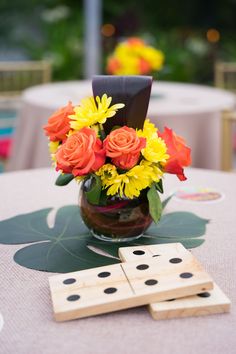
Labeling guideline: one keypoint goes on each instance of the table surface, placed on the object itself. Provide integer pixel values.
(167, 97)
(25, 299)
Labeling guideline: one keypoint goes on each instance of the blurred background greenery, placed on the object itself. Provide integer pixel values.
(192, 34)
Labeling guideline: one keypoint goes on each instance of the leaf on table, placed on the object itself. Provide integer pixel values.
(179, 224)
(64, 247)
(68, 246)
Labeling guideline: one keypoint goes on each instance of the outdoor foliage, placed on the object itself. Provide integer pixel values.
(53, 29)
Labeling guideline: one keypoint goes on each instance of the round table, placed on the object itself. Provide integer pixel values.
(193, 111)
(25, 303)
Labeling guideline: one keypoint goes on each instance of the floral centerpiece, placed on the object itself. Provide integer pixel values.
(134, 57)
(121, 169)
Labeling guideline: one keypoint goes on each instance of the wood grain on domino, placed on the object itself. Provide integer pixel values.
(207, 303)
(121, 286)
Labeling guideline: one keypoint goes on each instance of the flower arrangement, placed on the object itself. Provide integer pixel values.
(134, 57)
(125, 163)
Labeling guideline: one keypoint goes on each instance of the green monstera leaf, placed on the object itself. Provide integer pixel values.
(68, 246)
(62, 248)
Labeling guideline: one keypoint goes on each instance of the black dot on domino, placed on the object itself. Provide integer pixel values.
(73, 298)
(69, 281)
(151, 282)
(156, 255)
(206, 294)
(171, 300)
(110, 290)
(142, 266)
(186, 275)
(175, 260)
(104, 274)
(138, 252)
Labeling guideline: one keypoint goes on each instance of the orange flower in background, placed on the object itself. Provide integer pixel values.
(180, 154)
(82, 153)
(144, 66)
(135, 41)
(134, 57)
(113, 65)
(124, 147)
(59, 124)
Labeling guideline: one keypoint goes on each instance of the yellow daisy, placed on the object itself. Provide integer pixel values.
(149, 130)
(131, 183)
(89, 113)
(155, 150)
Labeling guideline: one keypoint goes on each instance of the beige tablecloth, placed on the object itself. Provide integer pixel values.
(193, 111)
(25, 300)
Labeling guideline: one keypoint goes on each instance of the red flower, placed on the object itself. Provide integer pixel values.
(180, 154)
(59, 123)
(81, 153)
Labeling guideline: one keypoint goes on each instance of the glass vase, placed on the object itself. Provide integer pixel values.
(120, 220)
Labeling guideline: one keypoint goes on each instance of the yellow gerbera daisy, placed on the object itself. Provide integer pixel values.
(90, 113)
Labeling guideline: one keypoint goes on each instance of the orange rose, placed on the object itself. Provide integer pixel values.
(124, 146)
(81, 153)
(180, 154)
(59, 124)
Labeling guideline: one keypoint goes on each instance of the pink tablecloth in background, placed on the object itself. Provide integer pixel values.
(193, 111)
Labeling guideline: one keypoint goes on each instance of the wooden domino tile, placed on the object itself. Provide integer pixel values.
(207, 303)
(128, 254)
(211, 302)
(120, 286)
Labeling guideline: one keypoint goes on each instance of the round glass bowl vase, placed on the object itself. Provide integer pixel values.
(121, 220)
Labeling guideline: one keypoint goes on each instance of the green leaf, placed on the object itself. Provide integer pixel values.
(179, 224)
(25, 228)
(159, 186)
(155, 206)
(64, 179)
(62, 248)
(94, 192)
(166, 201)
(186, 242)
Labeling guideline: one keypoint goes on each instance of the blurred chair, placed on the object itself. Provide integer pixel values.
(17, 76)
(228, 120)
(225, 76)
(14, 78)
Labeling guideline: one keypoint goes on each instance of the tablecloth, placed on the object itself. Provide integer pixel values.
(25, 302)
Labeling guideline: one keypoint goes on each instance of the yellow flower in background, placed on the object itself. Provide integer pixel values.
(134, 57)
(89, 113)
(131, 183)
(154, 57)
